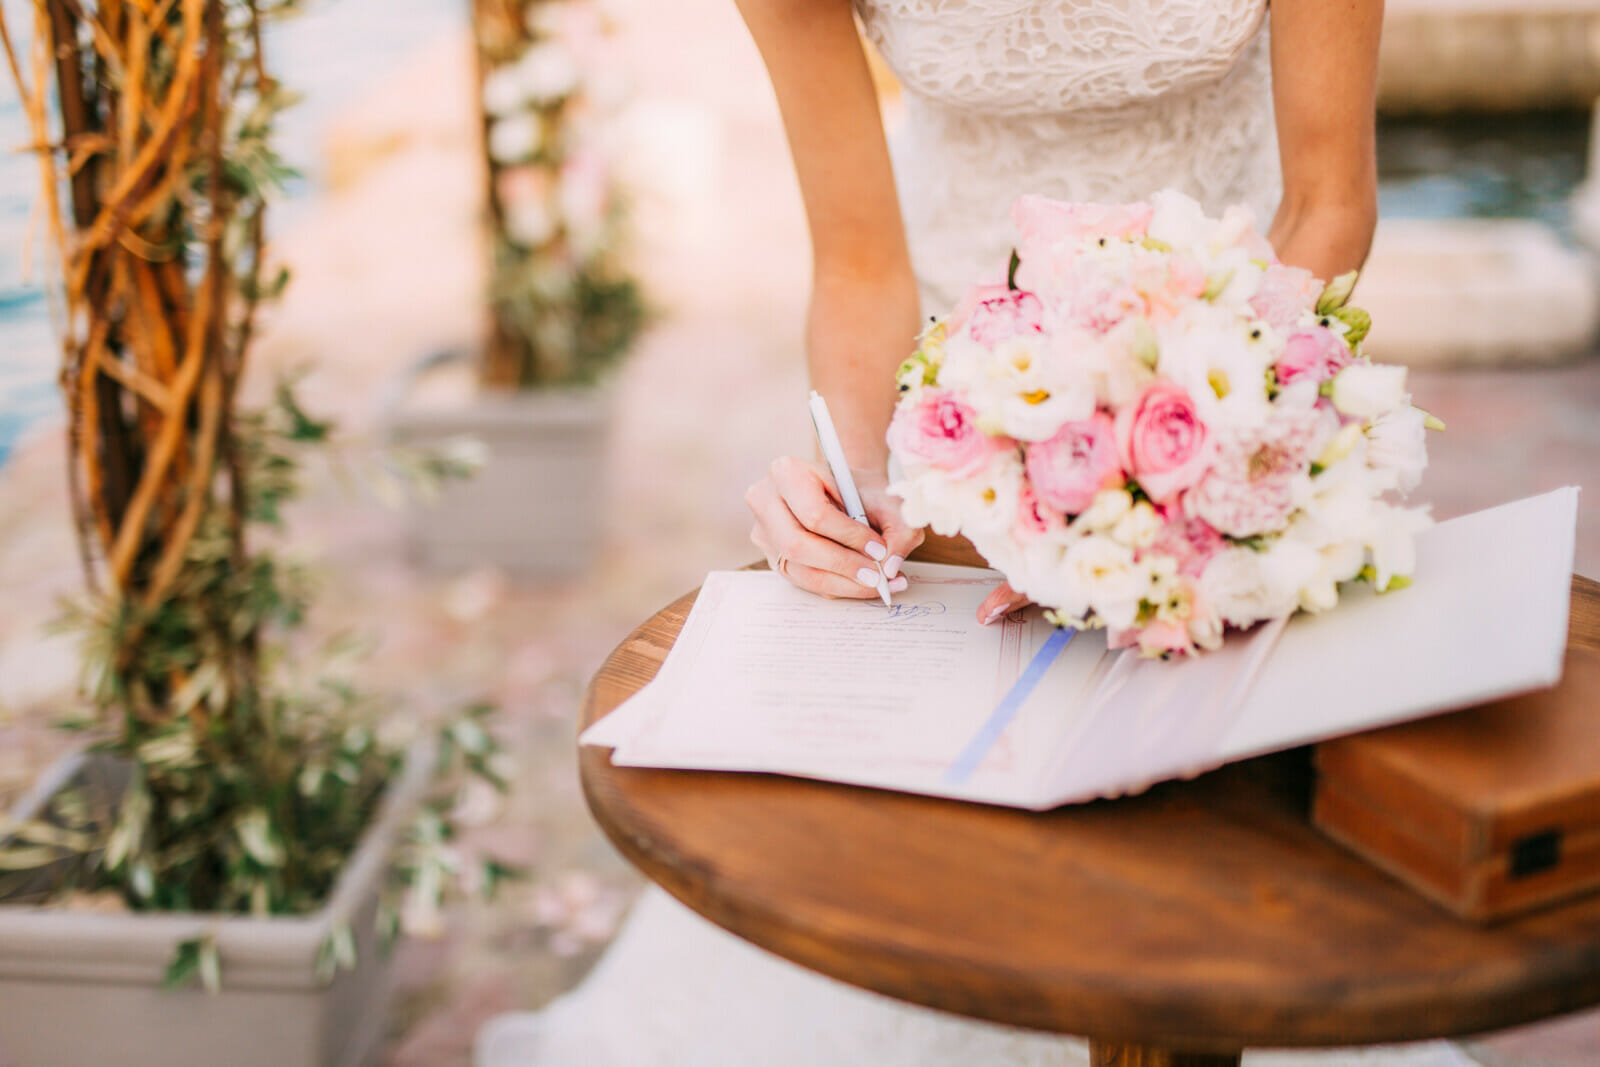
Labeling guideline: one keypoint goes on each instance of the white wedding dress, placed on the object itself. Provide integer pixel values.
(1103, 100)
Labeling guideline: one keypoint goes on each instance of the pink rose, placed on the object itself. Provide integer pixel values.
(942, 432)
(1162, 440)
(1035, 519)
(1285, 293)
(998, 313)
(1190, 541)
(1158, 640)
(1316, 353)
(1042, 220)
(1067, 470)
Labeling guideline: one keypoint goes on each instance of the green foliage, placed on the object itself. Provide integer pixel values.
(570, 327)
(254, 777)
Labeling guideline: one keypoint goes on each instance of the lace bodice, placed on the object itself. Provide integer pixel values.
(1101, 100)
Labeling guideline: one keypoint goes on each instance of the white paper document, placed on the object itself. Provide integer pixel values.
(919, 697)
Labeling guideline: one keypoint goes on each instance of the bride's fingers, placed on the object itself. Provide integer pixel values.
(780, 535)
(828, 584)
(1000, 602)
(813, 502)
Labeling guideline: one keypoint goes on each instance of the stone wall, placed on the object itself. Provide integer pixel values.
(1488, 55)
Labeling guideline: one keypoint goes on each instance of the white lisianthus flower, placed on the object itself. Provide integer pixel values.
(547, 72)
(1367, 390)
(1018, 390)
(514, 138)
(1244, 276)
(1180, 221)
(1222, 368)
(502, 91)
(1397, 441)
(986, 502)
(1392, 541)
(1108, 574)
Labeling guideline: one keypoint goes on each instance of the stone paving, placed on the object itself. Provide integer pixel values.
(388, 268)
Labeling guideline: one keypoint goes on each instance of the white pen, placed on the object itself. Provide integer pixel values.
(833, 452)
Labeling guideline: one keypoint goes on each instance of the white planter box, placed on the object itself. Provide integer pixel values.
(85, 989)
(537, 507)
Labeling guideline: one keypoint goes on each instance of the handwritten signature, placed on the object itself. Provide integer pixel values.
(907, 612)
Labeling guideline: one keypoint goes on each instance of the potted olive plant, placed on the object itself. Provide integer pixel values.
(232, 828)
(562, 309)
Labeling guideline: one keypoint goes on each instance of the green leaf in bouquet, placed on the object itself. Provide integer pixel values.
(1430, 421)
(1337, 292)
(1011, 271)
(1358, 321)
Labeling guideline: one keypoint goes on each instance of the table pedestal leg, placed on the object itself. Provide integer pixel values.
(1109, 1054)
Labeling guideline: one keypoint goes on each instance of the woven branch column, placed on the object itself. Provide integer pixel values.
(159, 244)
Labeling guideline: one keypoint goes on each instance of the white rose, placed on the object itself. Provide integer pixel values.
(1397, 440)
(514, 139)
(1367, 390)
(926, 501)
(1139, 527)
(1244, 586)
(1107, 508)
(1107, 573)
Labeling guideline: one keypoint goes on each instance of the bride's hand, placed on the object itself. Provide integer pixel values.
(1000, 602)
(807, 537)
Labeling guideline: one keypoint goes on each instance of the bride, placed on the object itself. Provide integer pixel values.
(1087, 100)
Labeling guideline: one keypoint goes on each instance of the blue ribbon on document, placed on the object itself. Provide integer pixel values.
(1007, 709)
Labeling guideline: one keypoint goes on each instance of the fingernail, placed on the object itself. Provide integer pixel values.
(995, 615)
(876, 551)
(898, 585)
(867, 576)
(891, 566)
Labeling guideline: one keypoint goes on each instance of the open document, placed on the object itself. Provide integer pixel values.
(919, 697)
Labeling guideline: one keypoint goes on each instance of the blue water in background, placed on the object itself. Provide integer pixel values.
(1520, 165)
(330, 54)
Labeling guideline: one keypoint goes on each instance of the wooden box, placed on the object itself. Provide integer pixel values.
(1490, 811)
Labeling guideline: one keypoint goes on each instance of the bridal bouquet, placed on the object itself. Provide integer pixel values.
(1154, 426)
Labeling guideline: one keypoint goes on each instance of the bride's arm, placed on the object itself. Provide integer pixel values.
(863, 314)
(1324, 90)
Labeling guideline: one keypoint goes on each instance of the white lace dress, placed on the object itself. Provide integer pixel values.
(1098, 100)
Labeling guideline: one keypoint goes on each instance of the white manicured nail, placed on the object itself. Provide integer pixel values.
(868, 577)
(995, 615)
(876, 551)
(898, 585)
(891, 566)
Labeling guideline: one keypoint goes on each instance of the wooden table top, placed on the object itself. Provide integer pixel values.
(1206, 915)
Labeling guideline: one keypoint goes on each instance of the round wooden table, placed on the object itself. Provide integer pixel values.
(1176, 928)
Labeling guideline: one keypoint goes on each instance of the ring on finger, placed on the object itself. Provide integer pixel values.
(782, 566)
